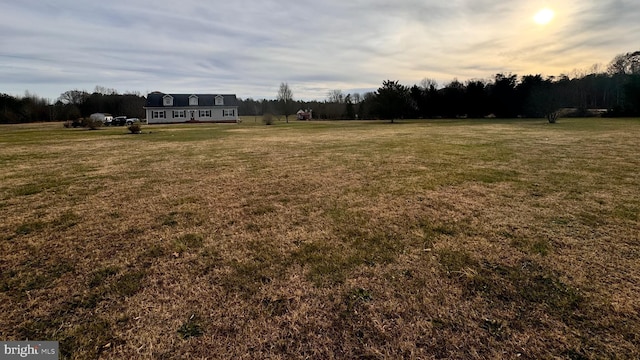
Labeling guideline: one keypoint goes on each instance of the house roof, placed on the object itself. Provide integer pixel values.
(154, 99)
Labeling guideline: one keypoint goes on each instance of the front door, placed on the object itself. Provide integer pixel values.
(193, 114)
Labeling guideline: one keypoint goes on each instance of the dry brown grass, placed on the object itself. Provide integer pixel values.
(420, 240)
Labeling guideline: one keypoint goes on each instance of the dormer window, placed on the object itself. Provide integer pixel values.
(193, 100)
(219, 100)
(167, 100)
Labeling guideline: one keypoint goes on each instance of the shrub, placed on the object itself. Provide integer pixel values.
(135, 128)
(93, 124)
(267, 119)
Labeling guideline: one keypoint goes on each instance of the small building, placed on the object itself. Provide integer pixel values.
(164, 108)
(305, 114)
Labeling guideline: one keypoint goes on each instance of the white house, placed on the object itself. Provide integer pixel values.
(164, 108)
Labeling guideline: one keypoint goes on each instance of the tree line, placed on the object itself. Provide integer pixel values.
(71, 105)
(614, 91)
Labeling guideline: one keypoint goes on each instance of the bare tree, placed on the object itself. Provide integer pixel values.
(105, 91)
(285, 98)
(74, 97)
(335, 96)
(427, 84)
(625, 64)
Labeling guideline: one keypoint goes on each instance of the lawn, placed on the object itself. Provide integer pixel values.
(465, 239)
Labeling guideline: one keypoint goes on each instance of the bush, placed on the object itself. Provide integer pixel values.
(92, 124)
(267, 119)
(135, 128)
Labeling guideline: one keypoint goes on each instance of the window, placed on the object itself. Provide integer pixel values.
(158, 114)
(219, 100)
(230, 112)
(167, 100)
(205, 113)
(193, 100)
(178, 114)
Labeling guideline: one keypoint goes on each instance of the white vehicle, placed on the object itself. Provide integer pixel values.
(132, 120)
(105, 118)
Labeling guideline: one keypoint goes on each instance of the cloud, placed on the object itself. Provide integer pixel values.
(249, 47)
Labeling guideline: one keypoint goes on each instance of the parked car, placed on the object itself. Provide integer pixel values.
(119, 121)
(130, 121)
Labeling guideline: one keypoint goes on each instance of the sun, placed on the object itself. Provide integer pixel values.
(544, 16)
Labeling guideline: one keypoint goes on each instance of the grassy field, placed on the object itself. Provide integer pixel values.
(465, 239)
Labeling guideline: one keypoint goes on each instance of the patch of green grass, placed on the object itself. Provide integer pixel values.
(325, 264)
(129, 283)
(328, 264)
(247, 277)
(30, 227)
(186, 200)
(454, 261)
(44, 183)
(191, 328)
(528, 284)
(262, 209)
(66, 220)
(170, 219)
(34, 275)
(85, 301)
(188, 242)
(490, 175)
(376, 248)
(532, 246)
(99, 276)
(253, 227)
(87, 340)
(29, 189)
(40, 328)
(353, 301)
(263, 263)
(154, 251)
(541, 246)
(134, 231)
(210, 259)
(359, 294)
(181, 218)
(627, 212)
(433, 230)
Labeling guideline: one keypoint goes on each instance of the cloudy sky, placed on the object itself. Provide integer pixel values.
(249, 47)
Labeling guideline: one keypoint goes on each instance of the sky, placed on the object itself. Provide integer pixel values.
(249, 47)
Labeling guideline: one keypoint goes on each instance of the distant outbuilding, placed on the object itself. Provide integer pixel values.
(305, 114)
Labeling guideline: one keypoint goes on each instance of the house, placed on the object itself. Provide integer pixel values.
(164, 108)
(304, 114)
